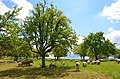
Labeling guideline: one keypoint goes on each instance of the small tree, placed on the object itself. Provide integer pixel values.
(60, 51)
(24, 50)
(81, 50)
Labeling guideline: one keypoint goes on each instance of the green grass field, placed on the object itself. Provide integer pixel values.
(107, 70)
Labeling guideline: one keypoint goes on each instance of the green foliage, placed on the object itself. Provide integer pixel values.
(81, 50)
(60, 51)
(5, 46)
(9, 17)
(98, 46)
(117, 54)
(46, 28)
(108, 48)
(11, 43)
(8, 31)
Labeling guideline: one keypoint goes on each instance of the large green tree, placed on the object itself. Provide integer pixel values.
(98, 46)
(46, 28)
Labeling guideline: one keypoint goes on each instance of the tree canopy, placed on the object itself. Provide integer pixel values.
(8, 24)
(117, 54)
(11, 42)
(47, 28)
(96, 46)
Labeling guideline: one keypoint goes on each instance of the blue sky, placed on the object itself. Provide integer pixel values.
(86, 15)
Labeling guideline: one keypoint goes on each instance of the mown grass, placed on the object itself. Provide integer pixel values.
(110, 68)
(107, 70)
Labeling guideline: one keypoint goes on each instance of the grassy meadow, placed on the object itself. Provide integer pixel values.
(106, 70)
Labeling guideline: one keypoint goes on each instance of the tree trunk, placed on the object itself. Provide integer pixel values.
(83, 58)
(37, 57)
(119, 57)
(96, 57)
(43, 61)
(57, 58)
(16, 58)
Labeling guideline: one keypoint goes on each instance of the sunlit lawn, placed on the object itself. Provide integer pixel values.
(107, 70)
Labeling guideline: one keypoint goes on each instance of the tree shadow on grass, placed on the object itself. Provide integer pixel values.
(33, 72)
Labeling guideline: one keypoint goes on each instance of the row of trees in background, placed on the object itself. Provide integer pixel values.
(95, 46)
(47, 31)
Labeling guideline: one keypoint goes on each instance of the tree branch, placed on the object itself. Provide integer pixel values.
(29, 44)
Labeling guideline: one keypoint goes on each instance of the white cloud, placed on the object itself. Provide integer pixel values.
(110, 29)
(114, 37)
(26, 7)
(112, 12)
(80, 39)
(20, 3)
(3, 8)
